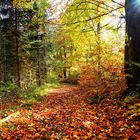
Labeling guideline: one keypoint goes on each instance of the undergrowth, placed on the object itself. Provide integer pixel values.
(23, 98)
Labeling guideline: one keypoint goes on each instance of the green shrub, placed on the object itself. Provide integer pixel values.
(9, 87)
(52, 77)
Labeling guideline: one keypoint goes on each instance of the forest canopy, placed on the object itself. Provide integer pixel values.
(68, 38)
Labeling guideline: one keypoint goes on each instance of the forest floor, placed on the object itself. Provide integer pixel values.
(72, 113)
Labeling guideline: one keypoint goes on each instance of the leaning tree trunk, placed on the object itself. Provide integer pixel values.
(132, 48)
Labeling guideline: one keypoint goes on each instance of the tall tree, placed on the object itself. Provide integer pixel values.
(9, 44)
(22, 35)
(132, 49)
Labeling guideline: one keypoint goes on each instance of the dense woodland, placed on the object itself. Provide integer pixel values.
(69, 70)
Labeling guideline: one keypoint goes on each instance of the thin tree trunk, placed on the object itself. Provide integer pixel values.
(65, 59)
(17, 49)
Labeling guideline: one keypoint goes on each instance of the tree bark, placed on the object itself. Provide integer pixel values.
(9, 46)
(132, 48)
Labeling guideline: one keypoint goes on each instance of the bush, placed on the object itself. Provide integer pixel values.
(9, 87)
(72, 78)
(52, 77)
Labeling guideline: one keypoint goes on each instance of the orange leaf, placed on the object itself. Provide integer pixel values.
(36, 135)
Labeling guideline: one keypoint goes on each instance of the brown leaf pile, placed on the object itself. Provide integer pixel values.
(66, 114)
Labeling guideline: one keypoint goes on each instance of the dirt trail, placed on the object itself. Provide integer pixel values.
(65, 114)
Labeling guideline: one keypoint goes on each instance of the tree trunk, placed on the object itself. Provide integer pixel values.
(65, 62)
(132, 48)
(17, 48)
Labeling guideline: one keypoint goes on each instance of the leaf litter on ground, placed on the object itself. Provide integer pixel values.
(67, 114)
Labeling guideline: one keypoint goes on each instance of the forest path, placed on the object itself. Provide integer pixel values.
(65, 114)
